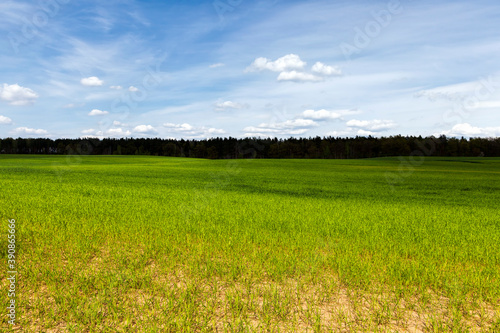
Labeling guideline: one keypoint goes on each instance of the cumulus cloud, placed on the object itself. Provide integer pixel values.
(97, 112)
(295, 123)
(289, 127)
(179, 127)
(214, 131)
(322, 69)
(298, 77)
(228, 105)
(347, 133)
(112, 132)
(30, 131)
(286, 63)
(132, 89)
(362, 132)
(145, 129)
(292, 68)
(116, 87)
(5, 120)
(192, 131)
(117, 123)
(321, 115)
(372, 125)
(16, 95)
(468, 130)
(92, 81)
(119, 132)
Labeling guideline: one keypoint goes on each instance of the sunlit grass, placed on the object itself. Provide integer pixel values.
(167, 244)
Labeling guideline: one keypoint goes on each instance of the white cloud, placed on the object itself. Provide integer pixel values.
(325, 70)
(92, 81)
(215, 131)
(30, 131)
(348, 133)
(321, 114)
(434, 95)
(478, 90)
(289, 127)
(227, 105)
(252, 132)
(97, 112)
(372, 125)
(145, 129)
(298, 76)
(117, 123)
(291, 68)
(118, 132)
(286, 63)
(194, 132)
(295, 123)
(468, 130)
(16, 95)
(179, 127)
(112, 132)
(362, 132)
(132, 89)
(116, 87)
(217, 65)
(5, 120)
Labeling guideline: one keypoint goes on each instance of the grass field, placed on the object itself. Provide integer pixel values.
(154, 244)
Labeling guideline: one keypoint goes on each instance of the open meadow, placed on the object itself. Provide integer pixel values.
(156, 244)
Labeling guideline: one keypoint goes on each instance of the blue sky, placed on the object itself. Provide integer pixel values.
(199, 69)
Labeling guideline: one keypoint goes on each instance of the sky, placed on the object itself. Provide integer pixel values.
(241, 68)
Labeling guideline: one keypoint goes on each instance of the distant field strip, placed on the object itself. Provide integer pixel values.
(156, 244)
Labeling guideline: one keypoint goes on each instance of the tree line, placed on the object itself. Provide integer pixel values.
(232, 148)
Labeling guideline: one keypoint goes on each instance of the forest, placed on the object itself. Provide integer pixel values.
(233, 148)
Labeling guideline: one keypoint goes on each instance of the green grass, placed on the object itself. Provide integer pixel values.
(154, 244)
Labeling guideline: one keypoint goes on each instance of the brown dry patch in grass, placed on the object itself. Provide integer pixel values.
(177, 299)
(295, 306)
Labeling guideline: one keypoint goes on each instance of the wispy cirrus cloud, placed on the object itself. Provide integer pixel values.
(410, 74)
(229, 105)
